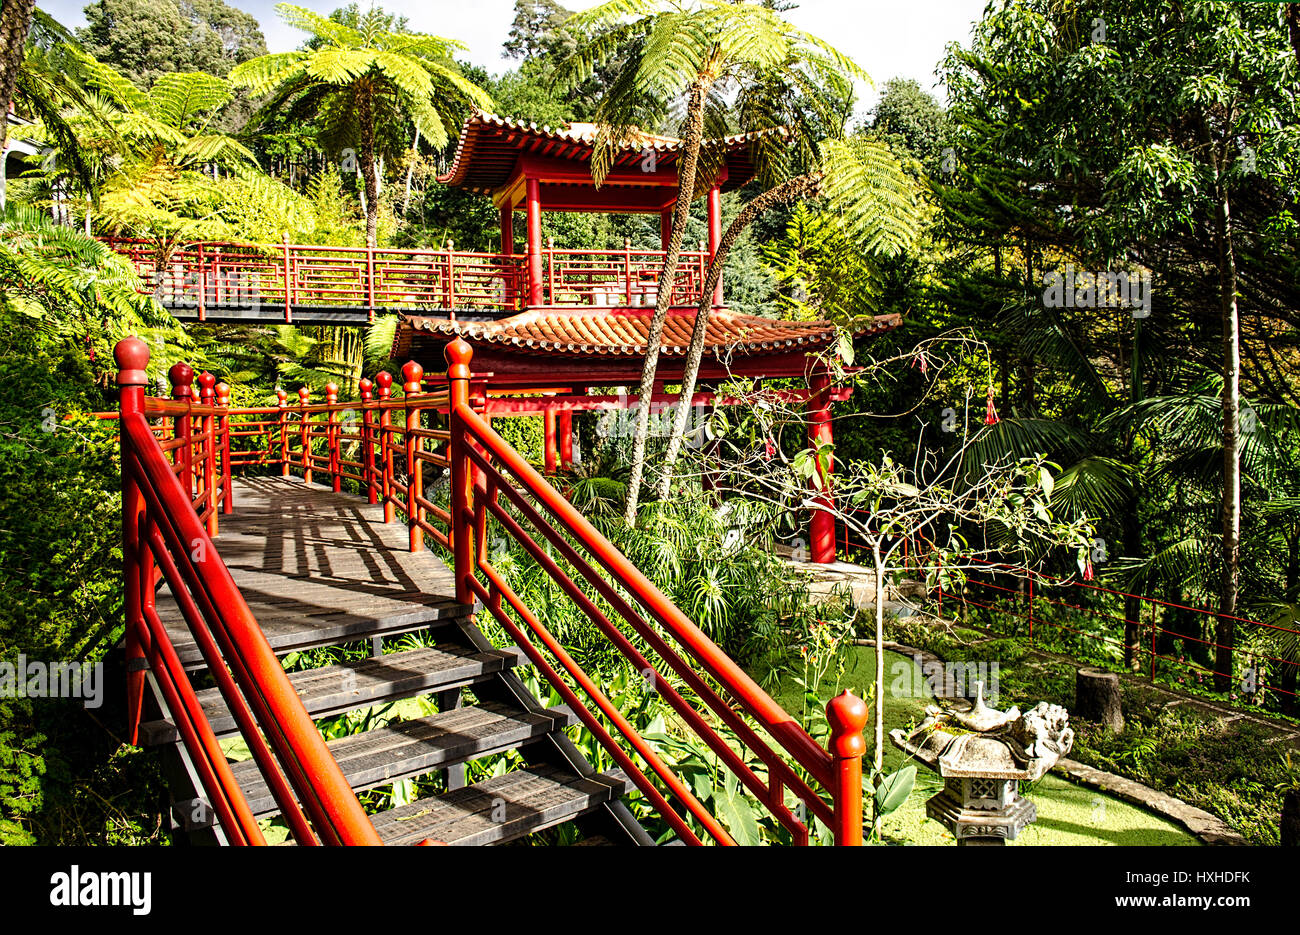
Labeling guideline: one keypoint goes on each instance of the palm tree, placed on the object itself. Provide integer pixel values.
(364, 84)
(875, 205)
(695, 55)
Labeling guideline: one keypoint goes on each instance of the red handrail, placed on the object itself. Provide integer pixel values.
(483, 467)
(161, 525)
(709, 693)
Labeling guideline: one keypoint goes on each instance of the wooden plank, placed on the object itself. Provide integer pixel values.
(411, 748)
(318, 567)
(363, 682)
(500, 809)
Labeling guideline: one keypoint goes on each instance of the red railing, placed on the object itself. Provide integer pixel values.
(384, 454)
(276, 280)
(1131, 631)
(165, 539)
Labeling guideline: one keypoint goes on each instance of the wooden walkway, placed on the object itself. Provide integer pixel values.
(318, 567)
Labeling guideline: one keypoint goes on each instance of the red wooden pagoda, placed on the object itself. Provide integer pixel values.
(584, 323)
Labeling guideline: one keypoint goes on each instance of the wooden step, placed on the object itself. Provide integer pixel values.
(502, 808)
(359, 683)
(421, 745)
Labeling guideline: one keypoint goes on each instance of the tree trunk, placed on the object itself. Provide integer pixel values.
(410, 170)
(686, 167)
(800, 187)
(365, 117)
(1097, 698)
(1225, 631)
(15, 24)
(1292, 13)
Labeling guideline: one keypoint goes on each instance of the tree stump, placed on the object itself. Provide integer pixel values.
(1097, 698)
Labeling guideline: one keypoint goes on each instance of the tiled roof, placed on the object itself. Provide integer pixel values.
(624, 332)
(488, 146)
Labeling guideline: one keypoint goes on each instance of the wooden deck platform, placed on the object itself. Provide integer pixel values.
(318, 568)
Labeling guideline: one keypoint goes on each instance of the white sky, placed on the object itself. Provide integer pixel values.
(888, 38)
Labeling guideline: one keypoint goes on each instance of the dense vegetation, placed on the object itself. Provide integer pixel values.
(1156, 140)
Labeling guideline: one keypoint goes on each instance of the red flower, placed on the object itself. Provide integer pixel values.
(990, 413)
(1087, 571)
(770, 450)
(920, 362)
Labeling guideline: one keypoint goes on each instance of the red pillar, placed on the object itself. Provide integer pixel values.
(665, 227)
(564, 429)
(821, 527)
(715, 233)
(549, 453)
(507, 229)
(534, 243)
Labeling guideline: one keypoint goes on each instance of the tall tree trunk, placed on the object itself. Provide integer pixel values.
(410, 170)
(1225, 631)
(803, 186)
(365, 117)
(15, 24)
(1292, 13)
(686, 168)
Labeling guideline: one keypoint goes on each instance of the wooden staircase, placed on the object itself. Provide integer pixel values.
(321, 569)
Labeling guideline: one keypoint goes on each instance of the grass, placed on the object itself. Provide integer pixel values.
(1068, 814)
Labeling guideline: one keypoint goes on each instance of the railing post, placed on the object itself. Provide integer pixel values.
(182, 380)
(1031, 608)
(451, 276)
(364, 390)
(132, 356)
(384, 380)
(288, 278)
(207, 385)
(304, 393)
(223, 427)
(370, 283)
(332, 434)
(550, 273)
(548, 440)
(627, 271)
(412, 389)
(282, 401)
(847, 716)
(203, 286)
(458, 354)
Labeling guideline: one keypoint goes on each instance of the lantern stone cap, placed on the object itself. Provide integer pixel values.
(1013, 746)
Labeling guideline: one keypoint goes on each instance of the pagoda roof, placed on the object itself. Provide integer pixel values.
(623, 332)
(489, 147)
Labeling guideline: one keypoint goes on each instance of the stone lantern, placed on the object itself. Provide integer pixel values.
(983, 755)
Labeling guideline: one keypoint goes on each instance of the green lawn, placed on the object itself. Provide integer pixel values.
(1067, 813)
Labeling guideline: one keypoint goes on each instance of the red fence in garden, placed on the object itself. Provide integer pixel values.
(1045, 603)
(178, 481)
(275, 281)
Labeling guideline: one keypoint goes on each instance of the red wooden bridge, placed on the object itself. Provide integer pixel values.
(251, 533)
(321, 285)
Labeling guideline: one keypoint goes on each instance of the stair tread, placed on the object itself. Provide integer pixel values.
(358, 683)
(501, 808)
(416, 746)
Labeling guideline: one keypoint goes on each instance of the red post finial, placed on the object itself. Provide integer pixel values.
(281, 397)
(206, 383)
(458, 354)
(847, 715)
(414, 375)
(364, 387)
(304, 393)
(182, 379)
(384, 380)
(223, 394)
(331, 392)
(132, 356)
